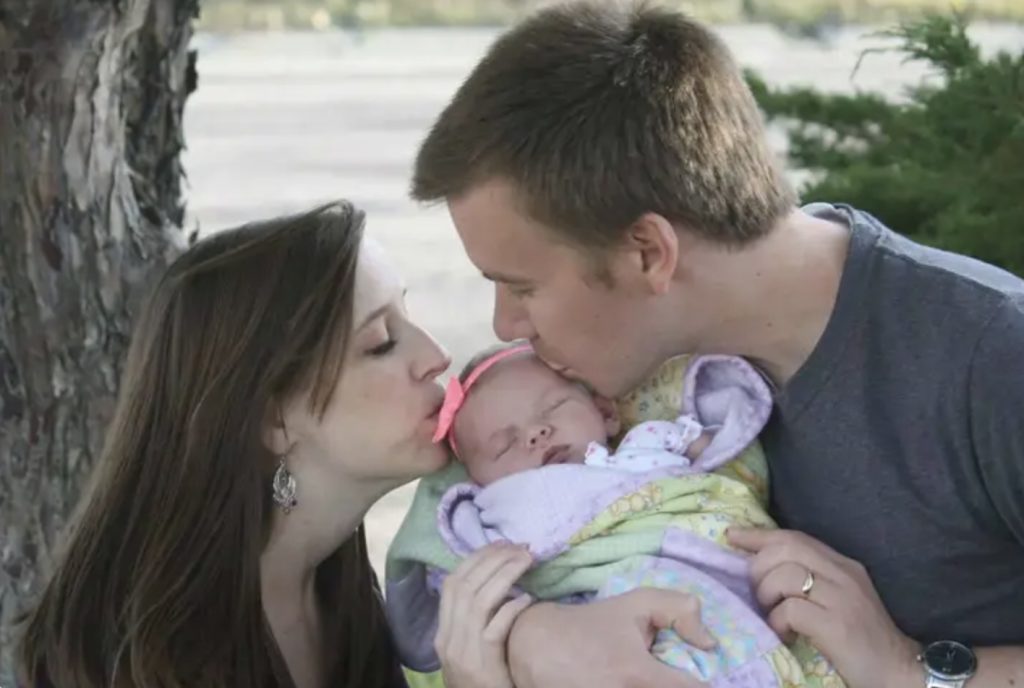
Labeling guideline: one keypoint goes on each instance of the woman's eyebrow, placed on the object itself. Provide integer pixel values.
(373, 316)
(380, 311)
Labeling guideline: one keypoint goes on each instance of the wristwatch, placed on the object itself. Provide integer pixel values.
(947, 664)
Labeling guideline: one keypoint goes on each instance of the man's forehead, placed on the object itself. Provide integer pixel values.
(491, 197)
(497, 232)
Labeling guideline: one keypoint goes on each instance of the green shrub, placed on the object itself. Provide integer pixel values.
(946, 167)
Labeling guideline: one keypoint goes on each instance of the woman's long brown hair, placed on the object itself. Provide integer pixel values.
(159, 584)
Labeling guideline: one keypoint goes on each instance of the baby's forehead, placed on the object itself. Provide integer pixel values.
(525, 374)
(491, 399)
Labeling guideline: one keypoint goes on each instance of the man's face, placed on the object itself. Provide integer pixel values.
(607, 335)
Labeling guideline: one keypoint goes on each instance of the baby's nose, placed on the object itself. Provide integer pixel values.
(539, 434)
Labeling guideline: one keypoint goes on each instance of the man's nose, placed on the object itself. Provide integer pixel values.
(511, 321)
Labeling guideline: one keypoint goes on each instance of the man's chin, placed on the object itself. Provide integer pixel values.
(563, 370)
(586, 383)
(571, 374)
(609, 389)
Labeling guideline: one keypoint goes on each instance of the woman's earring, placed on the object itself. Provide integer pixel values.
(284, 488)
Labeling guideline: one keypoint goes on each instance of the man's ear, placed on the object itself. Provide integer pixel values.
(610, 414)
(655, 241)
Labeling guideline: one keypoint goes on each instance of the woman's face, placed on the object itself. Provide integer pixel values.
(379, 423)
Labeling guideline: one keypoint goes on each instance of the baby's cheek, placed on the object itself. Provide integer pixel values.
(477, 471)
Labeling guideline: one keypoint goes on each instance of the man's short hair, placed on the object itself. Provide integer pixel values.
(598, 113)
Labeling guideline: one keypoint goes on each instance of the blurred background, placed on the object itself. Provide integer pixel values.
(799, 15)
(302, 101)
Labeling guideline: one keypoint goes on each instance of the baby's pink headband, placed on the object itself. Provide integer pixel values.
(455, 393)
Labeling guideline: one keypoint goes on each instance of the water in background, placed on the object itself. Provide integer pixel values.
(284, 121)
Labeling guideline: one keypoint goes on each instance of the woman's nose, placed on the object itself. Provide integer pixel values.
(539, 434)
(433, 360)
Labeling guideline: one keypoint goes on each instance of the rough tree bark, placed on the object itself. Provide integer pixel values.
(91, 100)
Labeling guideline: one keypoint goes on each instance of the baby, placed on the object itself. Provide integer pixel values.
(651, 513)
(522, 415)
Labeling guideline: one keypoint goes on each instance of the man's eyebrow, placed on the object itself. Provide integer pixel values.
(504, 279)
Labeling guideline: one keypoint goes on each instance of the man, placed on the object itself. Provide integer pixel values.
(607, 169)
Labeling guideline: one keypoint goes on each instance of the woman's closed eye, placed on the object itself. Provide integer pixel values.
(384, 348)
(376, 337)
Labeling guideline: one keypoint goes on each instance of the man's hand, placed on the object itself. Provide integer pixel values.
(841, 614)
(604, 643)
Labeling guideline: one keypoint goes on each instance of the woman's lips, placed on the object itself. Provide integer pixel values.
(433, 416)
(435, 408)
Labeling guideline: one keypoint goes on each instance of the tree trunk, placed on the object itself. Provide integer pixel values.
(91, 100)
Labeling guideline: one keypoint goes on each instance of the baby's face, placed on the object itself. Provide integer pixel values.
(521, 415)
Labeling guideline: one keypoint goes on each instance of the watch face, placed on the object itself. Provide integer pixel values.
(949, 660)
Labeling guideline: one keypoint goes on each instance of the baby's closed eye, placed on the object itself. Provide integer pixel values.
(558, 403)
(502, 442)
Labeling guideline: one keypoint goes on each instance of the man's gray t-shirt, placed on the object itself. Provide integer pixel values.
(900, 442)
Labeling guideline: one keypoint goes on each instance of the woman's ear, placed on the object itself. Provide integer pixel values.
(275, 431)
(610, 414)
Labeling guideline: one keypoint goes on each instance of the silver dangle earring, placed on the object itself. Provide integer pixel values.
(284, 488)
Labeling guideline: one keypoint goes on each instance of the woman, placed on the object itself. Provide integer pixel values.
(274, 390)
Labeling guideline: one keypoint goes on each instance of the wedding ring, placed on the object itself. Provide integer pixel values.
(808, 585)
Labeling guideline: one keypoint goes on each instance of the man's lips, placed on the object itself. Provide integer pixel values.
(563, 370)
(557, 367)
(560, 453)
